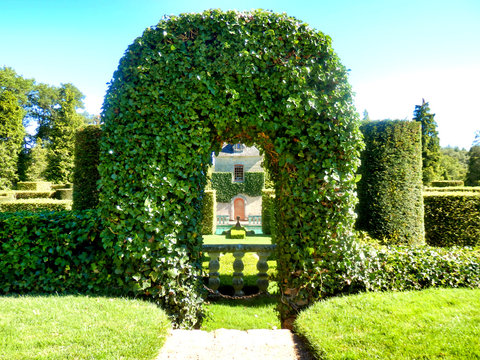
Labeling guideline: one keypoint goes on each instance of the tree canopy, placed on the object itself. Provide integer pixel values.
(430, 142)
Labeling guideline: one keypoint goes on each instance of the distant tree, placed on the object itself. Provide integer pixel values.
(453, 163)
(366, 117)
(430, 142)
(61, 137)
(63, 125)
(473, 174)
(38, 162)
(11, 137)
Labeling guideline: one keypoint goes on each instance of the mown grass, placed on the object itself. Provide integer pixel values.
(80, 327)
(429, 324)
(257, 313)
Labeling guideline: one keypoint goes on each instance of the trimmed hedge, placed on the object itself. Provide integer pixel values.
(452, 219)
(63, 194)
(209, 211)
(227, 188)
(34, 185)
(268, 211)
(390, 190)
(33, 194)
(236, 234)
(401, 268)
(446, 183)
(453, 189)
(35, 205)
(85, 174)
(53, 253)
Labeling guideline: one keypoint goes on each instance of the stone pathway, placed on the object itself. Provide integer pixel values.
(225, 344)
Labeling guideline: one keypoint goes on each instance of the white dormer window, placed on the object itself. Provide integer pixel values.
(238, 148)
(238, 173)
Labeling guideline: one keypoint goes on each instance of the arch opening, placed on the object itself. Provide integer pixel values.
(188, 85)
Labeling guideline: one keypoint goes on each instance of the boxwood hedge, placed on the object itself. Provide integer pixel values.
(85, 174)
(209, 210)
(53, 252)
(446, 183)
(390, 190)
(186, 86)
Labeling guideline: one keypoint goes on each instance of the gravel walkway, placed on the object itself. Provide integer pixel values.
(225, 344)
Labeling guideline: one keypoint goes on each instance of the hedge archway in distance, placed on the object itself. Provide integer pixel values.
(197, 80)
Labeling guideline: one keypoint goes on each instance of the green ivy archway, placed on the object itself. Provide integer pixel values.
(193, 82)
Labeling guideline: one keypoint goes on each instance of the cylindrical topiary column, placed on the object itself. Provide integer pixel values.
(390, 191)
(85, 173)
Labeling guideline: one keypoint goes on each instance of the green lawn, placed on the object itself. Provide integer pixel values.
(80, 327)
(430, 324)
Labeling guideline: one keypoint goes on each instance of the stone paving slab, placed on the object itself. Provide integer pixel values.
(225, 344)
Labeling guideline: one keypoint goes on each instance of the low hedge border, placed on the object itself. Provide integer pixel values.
(52, 252)
(33, 194)
(452, 218)
(453, 189)
(35, 205)
(34, 185)
(400, 268)
(63, 194)
(447, 183)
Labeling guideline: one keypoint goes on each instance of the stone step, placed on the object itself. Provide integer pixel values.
(226, 344)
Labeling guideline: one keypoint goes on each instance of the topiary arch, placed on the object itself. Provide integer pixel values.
(193, 82)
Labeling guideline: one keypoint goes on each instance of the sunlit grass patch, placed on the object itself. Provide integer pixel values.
(80, 327)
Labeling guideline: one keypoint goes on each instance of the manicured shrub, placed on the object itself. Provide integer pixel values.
(236, 234)
(226, 189)
(400, 268)
(453, 189)
(209, 210)
(35, 205)
(446, 183)
(452, 219)
(34, 185)
(62, 186)
(85, 173)
(53, 252)
(268, 211)
(33, 194)
(390, 190)
(7, 196)
(63, 194)
(186, 86)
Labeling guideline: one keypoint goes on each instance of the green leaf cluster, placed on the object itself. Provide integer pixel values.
(390, 189)
(226, 188)
(85, 173)
(186, 86)
(452, 218)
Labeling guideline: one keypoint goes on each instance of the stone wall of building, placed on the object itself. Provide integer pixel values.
(250, 164)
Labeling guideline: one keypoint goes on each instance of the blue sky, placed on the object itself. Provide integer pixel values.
(398, 51)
